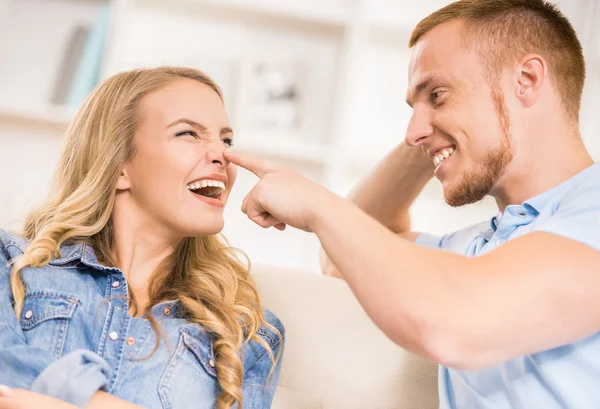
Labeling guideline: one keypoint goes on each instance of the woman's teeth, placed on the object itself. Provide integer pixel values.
(443, 154)
(206, 183)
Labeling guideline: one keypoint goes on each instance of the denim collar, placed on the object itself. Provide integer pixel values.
(76, 253)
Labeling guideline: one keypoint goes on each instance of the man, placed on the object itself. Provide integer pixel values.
(495, 87)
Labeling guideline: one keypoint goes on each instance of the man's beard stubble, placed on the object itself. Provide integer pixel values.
(475, 184)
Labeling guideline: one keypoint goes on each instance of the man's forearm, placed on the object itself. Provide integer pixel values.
(389, 191)
(408, 291)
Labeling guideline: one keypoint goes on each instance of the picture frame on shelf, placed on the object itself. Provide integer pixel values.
(270, 97)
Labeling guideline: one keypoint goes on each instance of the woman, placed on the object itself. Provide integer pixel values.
(119, 290)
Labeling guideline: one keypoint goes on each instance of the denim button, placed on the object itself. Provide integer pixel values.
(115, 284)
(167, 311)
(29, 314)
(113, 335)
(522, 214)
(130, 341)
(211, 363)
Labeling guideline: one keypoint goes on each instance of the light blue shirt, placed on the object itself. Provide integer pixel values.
(560, 378)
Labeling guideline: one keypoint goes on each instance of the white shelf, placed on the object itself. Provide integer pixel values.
(277, 11)
(52, 116)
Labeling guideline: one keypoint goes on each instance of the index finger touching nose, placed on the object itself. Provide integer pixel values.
(254, 164)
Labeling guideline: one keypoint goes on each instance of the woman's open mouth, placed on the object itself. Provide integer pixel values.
(208, 191)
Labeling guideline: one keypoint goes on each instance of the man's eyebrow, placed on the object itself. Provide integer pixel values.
(189, 122)
(419, 88)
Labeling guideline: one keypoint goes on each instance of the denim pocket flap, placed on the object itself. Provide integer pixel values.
(200, 344)
(43, 306)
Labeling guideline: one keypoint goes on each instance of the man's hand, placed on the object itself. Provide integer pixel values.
(281, 196)
(24, 399)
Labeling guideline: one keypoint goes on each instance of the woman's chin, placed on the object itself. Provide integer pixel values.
(205, 229)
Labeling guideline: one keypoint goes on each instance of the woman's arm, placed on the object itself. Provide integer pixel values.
(24, 399)
(73, 378)
(103, 400)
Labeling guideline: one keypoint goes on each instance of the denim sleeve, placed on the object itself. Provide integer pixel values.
(258, 388)
(73, 378)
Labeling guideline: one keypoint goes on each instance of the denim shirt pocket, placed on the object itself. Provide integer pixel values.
(45, 320)
(190, 380)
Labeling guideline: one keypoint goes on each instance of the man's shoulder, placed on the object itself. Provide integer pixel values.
(575, 213)
(582, 193)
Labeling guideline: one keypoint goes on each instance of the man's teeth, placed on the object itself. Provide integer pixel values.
(206, 183)
(443, 154)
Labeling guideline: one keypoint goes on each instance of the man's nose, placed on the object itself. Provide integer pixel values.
(419, 127)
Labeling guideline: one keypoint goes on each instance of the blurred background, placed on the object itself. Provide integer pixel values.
(318, 85)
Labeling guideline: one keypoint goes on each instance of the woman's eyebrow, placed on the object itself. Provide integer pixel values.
(189, 122)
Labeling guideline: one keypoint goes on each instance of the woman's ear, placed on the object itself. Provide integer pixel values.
(123, 183)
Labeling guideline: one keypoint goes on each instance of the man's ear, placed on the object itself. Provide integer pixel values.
(123, 183)
(531, 75)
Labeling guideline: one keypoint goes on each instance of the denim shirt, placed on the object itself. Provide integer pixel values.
(75, 337)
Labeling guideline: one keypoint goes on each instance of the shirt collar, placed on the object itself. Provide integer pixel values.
(536, 204)
(540, 201)
(75, 253)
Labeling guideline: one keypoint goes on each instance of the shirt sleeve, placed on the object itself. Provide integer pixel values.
(457, 242)
(73, 378)
(429, 240)
(577, 216)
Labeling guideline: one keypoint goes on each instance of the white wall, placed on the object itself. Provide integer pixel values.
(354, 81)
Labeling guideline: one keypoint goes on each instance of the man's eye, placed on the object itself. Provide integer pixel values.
(192, 133)
(228, 142)
(434, 95)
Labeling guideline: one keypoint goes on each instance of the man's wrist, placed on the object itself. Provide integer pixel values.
(325, 209)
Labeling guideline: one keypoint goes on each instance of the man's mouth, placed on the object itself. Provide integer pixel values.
(442, 155)
(208, 188)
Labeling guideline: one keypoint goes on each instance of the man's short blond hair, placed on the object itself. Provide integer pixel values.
(501, 31)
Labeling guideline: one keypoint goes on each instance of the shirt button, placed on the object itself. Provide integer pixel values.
(522, 214)
(113, 335)
(130, 341)
(211, 363)
(29, 314)
(167, 311)
(115, 284)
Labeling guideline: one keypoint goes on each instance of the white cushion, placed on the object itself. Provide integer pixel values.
(334, 355)
(289, 399)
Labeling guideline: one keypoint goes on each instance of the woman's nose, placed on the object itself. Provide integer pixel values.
(214, 152)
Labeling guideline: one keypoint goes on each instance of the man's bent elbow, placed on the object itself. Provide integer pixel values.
(456, 349)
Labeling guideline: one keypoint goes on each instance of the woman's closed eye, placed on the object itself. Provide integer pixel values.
(226, 141)
(183, 133)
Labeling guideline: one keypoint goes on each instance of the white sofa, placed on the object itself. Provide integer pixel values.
(335, 357)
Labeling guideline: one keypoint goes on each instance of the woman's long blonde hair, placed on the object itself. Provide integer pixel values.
(204, 274)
